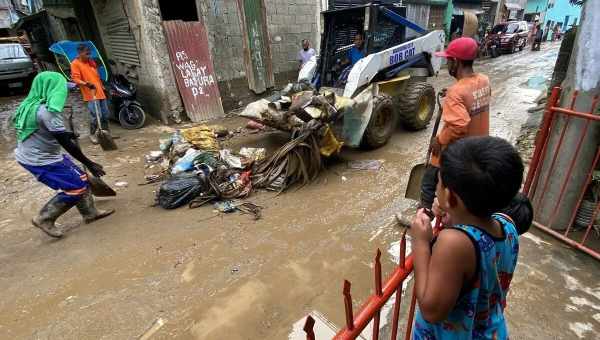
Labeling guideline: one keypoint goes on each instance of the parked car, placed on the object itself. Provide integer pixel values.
(16, 66)
(511, 35)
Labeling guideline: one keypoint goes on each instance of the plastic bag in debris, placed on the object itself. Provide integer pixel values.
(175, 144)
(154, 157)
(207, 158)
(255, 110)
(329, 144)
(202, 137)
(179, 190)
(186, 162)
(231, 160)
(253, 154)
(165, 144)
(225, 206)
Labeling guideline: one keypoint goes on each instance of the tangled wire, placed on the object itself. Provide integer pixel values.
(298, 161)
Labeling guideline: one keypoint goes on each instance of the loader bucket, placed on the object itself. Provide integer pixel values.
(357, 116)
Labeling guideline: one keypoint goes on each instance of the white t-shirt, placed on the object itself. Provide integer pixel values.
(304, 56)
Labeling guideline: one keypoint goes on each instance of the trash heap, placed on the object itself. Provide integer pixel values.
(308, 115)
(195, 170)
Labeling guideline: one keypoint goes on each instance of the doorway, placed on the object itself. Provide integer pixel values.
(184, 10)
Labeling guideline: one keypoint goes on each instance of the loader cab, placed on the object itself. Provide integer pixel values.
(341, 26)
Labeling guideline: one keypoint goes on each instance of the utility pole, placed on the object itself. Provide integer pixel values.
(583, 76)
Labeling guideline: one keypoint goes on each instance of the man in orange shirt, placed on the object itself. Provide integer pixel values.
(84, 73)
(465, 110)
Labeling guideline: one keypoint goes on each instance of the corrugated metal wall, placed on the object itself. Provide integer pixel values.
(118, 38)
(193, 67)
(419, 14)
(5, 14)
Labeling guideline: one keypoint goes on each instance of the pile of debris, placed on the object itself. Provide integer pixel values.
(309, 116)
(195, 170)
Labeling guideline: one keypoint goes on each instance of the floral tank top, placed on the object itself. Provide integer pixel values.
(479, 311)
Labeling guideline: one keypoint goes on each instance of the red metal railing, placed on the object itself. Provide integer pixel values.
(538, 162)
(371, 309)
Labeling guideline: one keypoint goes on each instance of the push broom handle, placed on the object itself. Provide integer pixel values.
(436, 125)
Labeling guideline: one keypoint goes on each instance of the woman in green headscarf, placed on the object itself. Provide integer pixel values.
(41, 136)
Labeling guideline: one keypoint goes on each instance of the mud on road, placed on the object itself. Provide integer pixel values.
(211, 276)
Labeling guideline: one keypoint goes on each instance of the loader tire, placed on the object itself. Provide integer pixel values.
(382, 124)
(416, 105)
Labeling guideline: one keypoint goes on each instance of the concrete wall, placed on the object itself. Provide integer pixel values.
(536, 6)
(288, 22)
(157, 87)
(559, 10)
(57, 29)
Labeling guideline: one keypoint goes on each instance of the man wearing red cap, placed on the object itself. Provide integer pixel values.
(465, 110)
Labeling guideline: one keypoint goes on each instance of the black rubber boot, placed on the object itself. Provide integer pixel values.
(87, 209)
(49, 214)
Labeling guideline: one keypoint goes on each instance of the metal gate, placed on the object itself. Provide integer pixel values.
(370, 311)
(257, 53)
(550, 157)
(118, 38)
(193, 67)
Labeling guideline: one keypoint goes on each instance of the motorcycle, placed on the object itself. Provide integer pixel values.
(127, 110)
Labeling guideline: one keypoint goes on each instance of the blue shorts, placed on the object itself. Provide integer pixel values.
(64, 176)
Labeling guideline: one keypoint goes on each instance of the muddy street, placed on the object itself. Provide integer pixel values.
(212, 276)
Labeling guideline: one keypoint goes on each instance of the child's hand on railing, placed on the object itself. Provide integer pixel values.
(420, 229)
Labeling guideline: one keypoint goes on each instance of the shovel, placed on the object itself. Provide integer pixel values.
(98, 187)
(413, 188)
(104, 138)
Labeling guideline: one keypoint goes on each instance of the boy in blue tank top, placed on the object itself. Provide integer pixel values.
(462, 277)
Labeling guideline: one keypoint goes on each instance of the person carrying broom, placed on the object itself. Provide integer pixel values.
(41, 133)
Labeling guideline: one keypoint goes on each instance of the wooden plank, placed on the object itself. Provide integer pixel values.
(257, 53)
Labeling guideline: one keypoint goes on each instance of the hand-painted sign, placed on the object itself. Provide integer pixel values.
(193, 68)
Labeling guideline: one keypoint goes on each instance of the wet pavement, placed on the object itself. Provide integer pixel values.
(210, 276)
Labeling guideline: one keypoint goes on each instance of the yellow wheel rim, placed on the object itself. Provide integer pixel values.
(424, 109)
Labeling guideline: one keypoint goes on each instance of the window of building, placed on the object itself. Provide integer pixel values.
(178, 10)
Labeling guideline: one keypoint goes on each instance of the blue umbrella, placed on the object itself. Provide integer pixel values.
(68, 49)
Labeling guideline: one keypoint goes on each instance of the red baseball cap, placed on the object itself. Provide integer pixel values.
(462, 48)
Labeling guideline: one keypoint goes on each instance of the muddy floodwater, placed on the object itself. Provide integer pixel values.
(213, 276)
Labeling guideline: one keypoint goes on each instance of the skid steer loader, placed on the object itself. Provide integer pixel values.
(386, 87)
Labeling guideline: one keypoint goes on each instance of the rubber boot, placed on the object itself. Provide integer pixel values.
(87, 209)
(49, 214)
